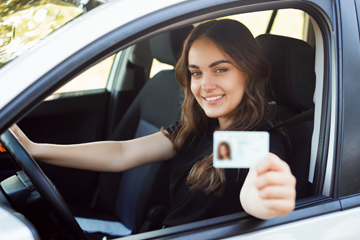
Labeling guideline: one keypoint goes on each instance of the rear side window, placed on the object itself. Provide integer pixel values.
(95, 77)
(290, 23)
(286, 22)
(158, 66)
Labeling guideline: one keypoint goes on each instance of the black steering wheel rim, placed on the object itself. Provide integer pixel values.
(44, 186)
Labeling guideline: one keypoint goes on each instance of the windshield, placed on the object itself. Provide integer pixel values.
(24, 23)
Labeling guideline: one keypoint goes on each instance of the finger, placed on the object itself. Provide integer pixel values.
(17, 132)
(14, 128)
(279, 207)
(272, 163)
(274, 178)
(277, 192)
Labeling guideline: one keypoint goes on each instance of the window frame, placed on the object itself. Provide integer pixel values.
(236, 224)
(347, 28)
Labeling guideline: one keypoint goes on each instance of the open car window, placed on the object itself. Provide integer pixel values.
(287, 22)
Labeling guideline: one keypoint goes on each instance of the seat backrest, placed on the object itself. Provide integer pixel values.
(130, 194)
(292, 82)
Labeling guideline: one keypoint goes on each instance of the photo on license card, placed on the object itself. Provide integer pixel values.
(239, 149)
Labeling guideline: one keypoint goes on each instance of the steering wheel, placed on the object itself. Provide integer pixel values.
(44, 186)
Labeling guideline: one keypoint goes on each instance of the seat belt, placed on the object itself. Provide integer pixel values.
(139, 78)
(302, 117)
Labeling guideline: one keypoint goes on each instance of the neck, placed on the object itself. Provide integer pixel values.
(224, 123)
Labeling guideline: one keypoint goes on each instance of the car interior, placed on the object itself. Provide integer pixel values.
(134, 105)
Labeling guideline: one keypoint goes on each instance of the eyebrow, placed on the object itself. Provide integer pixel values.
(211, 65)
(193, 66)
(218, 62)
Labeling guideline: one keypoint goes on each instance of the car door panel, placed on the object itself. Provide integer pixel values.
(339, 225)
(240, 224)
(7, 167)
(66, 120)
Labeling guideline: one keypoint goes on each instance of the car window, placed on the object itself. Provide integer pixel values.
(287, 22)
(158, 66)
(24, 23)
(290, 23)
(95, 77)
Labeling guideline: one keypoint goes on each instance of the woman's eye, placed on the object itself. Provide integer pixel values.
(195, 74)
(221, 70)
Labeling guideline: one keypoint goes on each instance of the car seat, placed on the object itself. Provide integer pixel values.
(292, 82)
(139, 197)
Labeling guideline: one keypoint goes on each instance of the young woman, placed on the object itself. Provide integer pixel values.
(224, 77)
(224, 152)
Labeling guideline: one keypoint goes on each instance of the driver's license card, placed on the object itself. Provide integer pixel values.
(239, 149)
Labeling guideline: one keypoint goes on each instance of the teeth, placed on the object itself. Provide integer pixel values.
(214, 98)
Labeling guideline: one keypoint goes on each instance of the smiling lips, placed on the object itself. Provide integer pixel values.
(214, 99)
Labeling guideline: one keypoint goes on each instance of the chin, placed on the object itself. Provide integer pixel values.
(212, 114)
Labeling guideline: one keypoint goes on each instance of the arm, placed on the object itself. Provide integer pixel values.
(110, 156)
(269, 189)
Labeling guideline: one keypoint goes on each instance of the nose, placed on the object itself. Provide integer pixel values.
(208, 84)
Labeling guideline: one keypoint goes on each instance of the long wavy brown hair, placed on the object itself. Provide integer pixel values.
(235, 40)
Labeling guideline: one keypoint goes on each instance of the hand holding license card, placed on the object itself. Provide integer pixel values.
(239, 149)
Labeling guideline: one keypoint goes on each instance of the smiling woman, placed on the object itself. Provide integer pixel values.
(224, 90)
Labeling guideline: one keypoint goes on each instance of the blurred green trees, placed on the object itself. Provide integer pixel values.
(24, 23)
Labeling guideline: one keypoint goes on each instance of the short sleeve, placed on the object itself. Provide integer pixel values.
(279, 145)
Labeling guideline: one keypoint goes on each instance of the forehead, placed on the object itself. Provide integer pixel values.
(204, 52)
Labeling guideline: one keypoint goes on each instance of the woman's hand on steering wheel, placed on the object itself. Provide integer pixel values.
(25, 141)
(16, 142)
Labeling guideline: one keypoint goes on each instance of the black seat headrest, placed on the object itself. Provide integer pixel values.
(166, 47)
(292, 77)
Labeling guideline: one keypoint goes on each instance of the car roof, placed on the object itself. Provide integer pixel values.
(19, 74)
